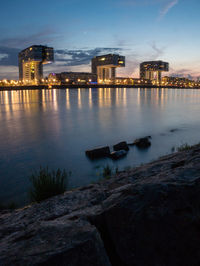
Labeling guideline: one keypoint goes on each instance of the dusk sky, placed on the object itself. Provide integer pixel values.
(79, 30)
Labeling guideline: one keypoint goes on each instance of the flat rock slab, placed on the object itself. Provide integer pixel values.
(54, 243)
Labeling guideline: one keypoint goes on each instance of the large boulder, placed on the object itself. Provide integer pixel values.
(152, 224)
(98, 153)
(60, 242)
(148, 216)
(121, 146)
(142, 143)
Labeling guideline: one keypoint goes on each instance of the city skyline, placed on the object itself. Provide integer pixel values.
(140, 30)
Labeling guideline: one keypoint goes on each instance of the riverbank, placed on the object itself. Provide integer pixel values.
(86, 86)
(148, 215)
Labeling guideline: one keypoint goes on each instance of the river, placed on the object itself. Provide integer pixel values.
(54, 128)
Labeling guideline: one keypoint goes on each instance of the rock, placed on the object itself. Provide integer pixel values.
(148, 215)
(178, 164)
(118, 154)
(152, 224)
(98, 153)
(121, 146)
(56, 242)
(143, 143)
(173, 130)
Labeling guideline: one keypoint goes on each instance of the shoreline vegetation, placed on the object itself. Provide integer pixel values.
(147, 210)
(71, 86)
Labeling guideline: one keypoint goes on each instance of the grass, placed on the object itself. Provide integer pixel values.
(184, 147)
(46, 184)
(107, 171)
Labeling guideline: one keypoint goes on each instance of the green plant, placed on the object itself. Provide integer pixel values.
(173, 149)
(184, 147)
(117, 170)
(107, 171)
(46, 184)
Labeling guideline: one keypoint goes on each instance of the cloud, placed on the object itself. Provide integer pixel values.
(65, 60)
(184, 73)
(3, 56)
(167, 8)
(139, 2)
(8, 56)
(43, 37)
(157, 51)
(165, 5)
(9, 72)
(80, 56)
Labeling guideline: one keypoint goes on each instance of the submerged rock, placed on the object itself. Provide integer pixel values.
(174, 130)
(143, 143)
(118, 154)
(98, 153)
(121, 146)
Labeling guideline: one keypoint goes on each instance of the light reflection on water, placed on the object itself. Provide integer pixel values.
(55, 127)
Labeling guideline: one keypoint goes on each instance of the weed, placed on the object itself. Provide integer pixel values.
(184, 147)
(46, 184)
(107, 171)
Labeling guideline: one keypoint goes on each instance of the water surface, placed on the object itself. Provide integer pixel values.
(55, 127)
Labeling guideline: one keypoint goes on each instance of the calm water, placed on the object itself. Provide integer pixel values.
(55, 127)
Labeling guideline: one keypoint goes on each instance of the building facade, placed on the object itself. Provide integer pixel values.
(152, 70)
(105, 67)
(31, 61)
(132, 81)
(72, 78)
(179, 82)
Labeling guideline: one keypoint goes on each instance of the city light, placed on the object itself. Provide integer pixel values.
(103, 72)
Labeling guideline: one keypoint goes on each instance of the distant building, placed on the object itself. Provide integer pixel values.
(152, 70)
(72, 78)
(132, 81)
(104, 67)
(31, 62)
(178, 82)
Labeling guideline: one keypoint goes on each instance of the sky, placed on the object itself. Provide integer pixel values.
(78, 30)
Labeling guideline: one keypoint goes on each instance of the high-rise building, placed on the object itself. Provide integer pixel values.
(31, 61)
(152, 70)
(104, 66)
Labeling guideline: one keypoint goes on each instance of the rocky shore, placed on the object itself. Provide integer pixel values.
(148, 216)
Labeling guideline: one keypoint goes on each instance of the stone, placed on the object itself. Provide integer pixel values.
(98, 153)
(178, 164)
(152, 224)
(143, 143)
(121, 146)
(148, 215)
(59, 242)
(118, 154)
(174, 130)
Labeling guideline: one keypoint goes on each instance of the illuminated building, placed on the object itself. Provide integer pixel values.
(152, 70)
(31, 61)
(132, 81)
(179, 82)
(72, 78)
(105, 67)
